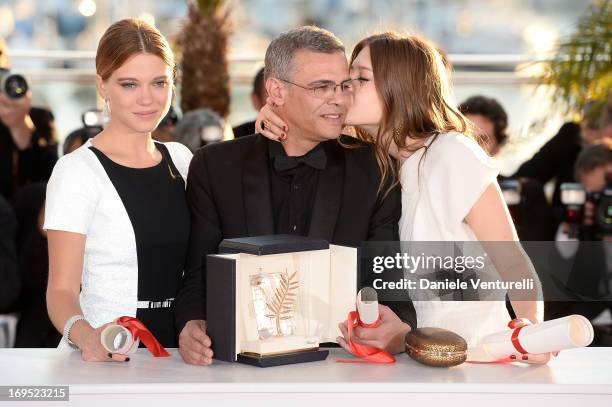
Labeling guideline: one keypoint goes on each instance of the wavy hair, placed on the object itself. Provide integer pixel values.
(413, 81)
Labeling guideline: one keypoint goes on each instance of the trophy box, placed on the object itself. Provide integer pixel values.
(272, 300)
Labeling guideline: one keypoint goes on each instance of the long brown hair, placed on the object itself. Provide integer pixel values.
(129, 37)
(413, 81)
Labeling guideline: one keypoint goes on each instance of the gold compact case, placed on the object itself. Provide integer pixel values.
(436, 347)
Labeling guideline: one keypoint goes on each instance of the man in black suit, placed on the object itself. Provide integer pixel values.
(310, 185)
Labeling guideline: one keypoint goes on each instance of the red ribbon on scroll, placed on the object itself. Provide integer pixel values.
(368, 354)
(515, 342)
(515, 336)
(139, 330)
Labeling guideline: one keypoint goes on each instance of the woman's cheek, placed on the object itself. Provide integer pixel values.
(123, 100)
(358, 103)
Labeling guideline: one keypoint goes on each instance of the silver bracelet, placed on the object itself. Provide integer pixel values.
(68, 327)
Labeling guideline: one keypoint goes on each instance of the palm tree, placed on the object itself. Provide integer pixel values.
(580, 69)
(203, 43)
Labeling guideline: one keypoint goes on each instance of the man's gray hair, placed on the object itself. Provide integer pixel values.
(280, 52)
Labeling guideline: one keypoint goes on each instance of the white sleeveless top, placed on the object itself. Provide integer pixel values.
(439, 188)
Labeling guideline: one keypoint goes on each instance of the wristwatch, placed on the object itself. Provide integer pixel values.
(68, 327)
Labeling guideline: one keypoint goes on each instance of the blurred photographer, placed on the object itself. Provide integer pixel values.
(557, 158)
(587, 215)
(490, 121)
(524, 196)
(584, 265)
(28, 146)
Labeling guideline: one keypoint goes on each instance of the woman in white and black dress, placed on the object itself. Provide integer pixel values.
(116, 215)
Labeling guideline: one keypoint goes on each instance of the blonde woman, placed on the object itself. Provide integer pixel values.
(116, 215)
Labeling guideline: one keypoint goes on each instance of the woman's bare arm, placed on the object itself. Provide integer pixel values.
(66, 254)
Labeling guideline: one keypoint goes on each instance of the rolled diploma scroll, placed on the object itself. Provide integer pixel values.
(118, 339)
(366, 316)
(573, 331)
(367, 306)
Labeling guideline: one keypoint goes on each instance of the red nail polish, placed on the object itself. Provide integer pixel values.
(512, 356)
(525, 357)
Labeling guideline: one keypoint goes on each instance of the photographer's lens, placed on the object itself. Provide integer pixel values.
(604, 209)
(14, 85)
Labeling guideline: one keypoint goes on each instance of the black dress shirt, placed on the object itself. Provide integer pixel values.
(293, 189)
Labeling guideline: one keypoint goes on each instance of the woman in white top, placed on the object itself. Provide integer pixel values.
(116, 214)
(402, 106)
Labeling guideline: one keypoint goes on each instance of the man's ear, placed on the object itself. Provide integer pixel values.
(101, 86)
(277, 91)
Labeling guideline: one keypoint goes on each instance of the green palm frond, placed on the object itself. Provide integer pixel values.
(209, 6)
(581, 67)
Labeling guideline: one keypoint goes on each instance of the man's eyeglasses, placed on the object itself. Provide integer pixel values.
(327, 90)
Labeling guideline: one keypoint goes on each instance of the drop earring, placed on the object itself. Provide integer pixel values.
(397, 132)
(106, 112)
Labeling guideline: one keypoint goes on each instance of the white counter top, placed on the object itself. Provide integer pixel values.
(576, 376)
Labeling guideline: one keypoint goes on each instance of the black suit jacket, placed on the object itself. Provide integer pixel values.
(10, 281)
(229, 194)
(555, 159)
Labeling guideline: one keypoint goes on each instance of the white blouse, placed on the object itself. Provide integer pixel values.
(439, 188)
(82, 199)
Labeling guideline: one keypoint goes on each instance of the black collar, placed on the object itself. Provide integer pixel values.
(315, 158)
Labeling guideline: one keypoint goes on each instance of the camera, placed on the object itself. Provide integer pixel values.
(574, 197)
(12, 84)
